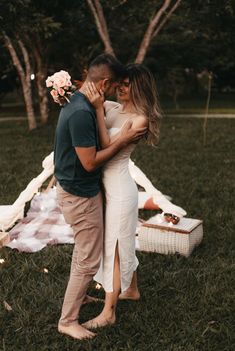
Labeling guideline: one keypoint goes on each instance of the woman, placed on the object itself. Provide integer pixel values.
(138, 106)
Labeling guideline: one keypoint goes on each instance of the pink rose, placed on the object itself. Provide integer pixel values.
(61, 79)
(49, 82)
(59, 82)
(61, 92)
(56, 86)
(65, 75)
(54, 93)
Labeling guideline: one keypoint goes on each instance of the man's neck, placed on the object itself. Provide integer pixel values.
(83, 88)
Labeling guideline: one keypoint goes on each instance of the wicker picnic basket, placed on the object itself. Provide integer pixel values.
(159, 236)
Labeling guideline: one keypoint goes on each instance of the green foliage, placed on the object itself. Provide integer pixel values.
(200, 35)
(24, 17)
(186, 304)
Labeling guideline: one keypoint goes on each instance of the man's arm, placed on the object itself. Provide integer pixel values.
(92, 159)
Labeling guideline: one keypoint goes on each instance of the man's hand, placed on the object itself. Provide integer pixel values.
(130, 135)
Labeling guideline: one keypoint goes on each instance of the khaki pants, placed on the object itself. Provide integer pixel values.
(85, 215)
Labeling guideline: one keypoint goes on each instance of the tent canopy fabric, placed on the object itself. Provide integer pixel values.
(10, 214)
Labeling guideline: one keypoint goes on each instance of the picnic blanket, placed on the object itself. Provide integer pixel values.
(44, 225)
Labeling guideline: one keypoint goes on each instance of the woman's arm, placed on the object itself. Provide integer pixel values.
(136, 122)
(103, 132)
(97, 100)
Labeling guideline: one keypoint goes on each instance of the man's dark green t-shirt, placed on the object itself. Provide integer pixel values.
(76, 126)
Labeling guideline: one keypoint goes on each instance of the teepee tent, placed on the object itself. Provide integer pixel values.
(44, 223)
(9, 214)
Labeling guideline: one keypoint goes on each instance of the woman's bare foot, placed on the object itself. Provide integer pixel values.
(76, 331)
(129, 294)
(100, 321)
(90, 299)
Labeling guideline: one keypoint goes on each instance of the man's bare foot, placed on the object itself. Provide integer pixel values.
(129, 295)
(100, 321)
(76, 331)
(90, 299)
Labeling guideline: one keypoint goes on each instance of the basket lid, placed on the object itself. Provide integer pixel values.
(185, 225)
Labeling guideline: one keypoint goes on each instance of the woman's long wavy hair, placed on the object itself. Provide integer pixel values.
(144, 96)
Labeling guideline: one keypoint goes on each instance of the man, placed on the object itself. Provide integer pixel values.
(78, 161)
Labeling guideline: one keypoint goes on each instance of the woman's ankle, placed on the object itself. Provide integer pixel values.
(130, 294)
(109, 313)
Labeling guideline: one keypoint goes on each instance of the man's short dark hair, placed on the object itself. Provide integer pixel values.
(117, 70)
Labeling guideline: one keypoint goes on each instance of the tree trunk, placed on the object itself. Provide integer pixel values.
(29, 106)
(210, 77)
(43, 99)
(41, 72)
(101, 24)
(25, 78)
(27, 88)
(175, 98)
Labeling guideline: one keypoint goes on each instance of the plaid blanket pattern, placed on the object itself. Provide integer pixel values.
(44, 225)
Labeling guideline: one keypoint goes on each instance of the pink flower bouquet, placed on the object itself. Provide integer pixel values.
(61, 87)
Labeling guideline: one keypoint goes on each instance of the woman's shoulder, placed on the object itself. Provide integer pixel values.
(139, 121)
(109, 105)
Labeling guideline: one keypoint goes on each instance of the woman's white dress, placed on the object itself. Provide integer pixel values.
(121, 211)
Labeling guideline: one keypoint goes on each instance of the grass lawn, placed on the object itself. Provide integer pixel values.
(187, 304)
(219, 104)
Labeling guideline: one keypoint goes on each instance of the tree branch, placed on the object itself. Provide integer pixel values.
(169, 14)
(101, 24)
(149, 31)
